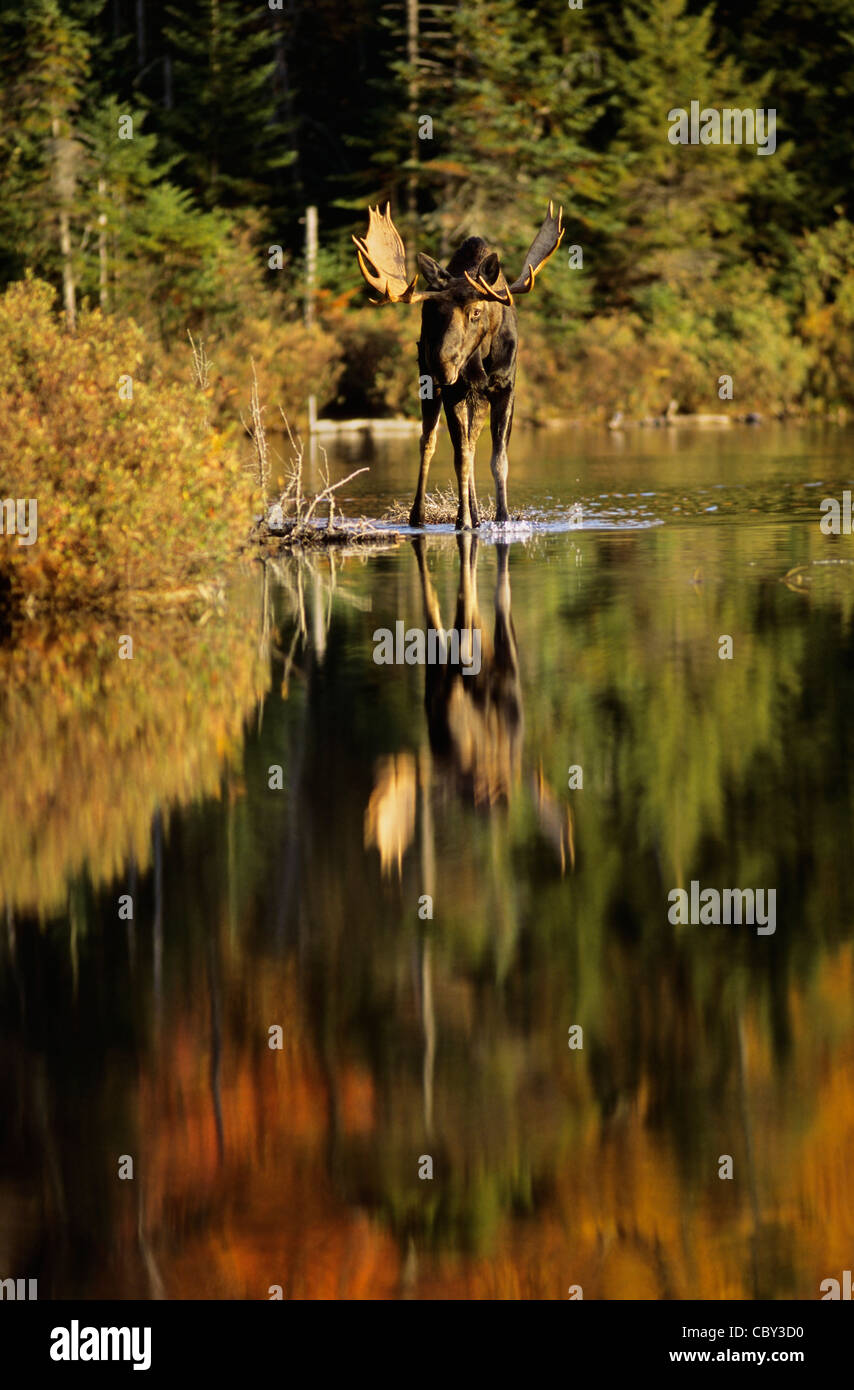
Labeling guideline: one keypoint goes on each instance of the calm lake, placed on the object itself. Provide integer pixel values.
(280, 814)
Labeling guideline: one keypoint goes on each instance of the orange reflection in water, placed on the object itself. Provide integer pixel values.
(274, 1205)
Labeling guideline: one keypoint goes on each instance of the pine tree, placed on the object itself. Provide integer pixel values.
(804, 49)
(513, 102)
(43, 159)
(680, 212)
(225, 126)
(125, 174)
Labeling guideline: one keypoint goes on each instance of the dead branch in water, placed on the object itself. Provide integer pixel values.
(291, 520)
(327, 492)
(296, 470)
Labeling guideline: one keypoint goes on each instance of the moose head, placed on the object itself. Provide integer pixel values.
(467, 349)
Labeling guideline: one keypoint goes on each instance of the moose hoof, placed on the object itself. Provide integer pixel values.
(416, 518)
(501, 516)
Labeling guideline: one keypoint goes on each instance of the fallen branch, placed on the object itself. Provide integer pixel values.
(327, 492)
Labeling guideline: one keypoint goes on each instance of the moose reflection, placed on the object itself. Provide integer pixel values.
(475, 721)
(473, 752)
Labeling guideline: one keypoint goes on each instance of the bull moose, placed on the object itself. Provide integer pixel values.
(467, 346)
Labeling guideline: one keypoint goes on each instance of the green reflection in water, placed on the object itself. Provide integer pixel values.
(448, 1037)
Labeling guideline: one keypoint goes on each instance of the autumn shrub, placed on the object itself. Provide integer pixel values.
(602, 364)
(679, 348)
(291, 362)
(380, 362)
(139, 493)
(825, 290)
(732, 326)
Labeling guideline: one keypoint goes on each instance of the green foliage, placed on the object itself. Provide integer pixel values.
(513, 132)
(697, 260)
(134, 494)
(224, 125)
(807, 49)
(156, 255)
(46, 70)
(679, 210)
(824, 271)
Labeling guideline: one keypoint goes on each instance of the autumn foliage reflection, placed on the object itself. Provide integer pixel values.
(297, 1167)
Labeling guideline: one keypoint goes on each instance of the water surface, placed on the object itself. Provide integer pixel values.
(299, 901)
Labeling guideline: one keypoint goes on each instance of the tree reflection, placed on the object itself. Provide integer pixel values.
(407, 1035)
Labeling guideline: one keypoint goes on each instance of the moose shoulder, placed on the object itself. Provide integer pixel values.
(467, 346)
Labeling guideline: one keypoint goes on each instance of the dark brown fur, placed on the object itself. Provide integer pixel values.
(468, 350)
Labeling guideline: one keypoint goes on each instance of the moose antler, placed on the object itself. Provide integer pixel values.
(382, 259)
(544, 245)
(500, 294)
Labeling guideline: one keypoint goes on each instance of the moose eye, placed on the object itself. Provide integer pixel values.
(476, 312)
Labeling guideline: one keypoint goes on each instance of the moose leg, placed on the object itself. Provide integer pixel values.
(431, 410)
(476, 414)
(465, 418)
(501, 424)
(457, 415)
(475, 515)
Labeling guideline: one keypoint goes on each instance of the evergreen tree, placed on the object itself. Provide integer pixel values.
(512, 103)
(124, 173)
(42, 159)
(679, 211)
(225, 126)
(804, 51)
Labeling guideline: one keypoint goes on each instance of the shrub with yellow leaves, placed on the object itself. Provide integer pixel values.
(136, 489)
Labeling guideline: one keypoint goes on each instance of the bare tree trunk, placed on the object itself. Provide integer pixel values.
(63, 182)
(310, 281)
(412, 59)
(68, 294)
(103, 293)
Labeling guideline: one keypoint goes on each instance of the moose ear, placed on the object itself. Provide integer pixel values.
(490, 268)
(437, 278)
